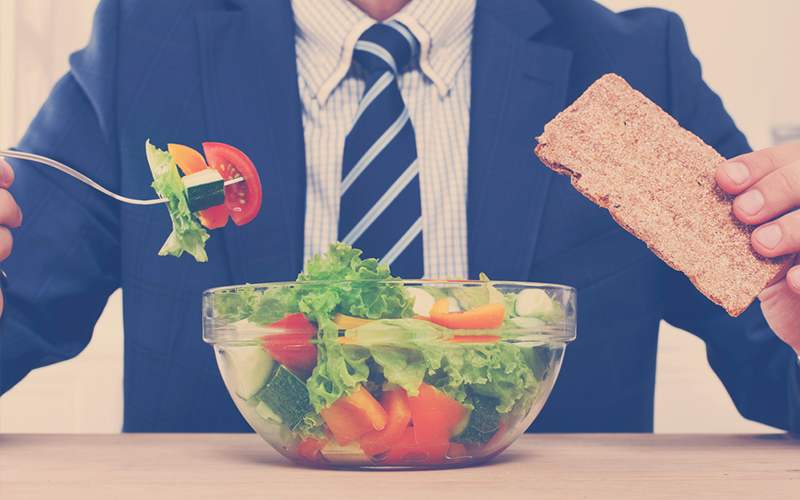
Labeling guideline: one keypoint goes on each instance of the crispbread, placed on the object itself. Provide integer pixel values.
(658, 181)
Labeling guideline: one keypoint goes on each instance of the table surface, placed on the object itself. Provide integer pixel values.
(619, 466)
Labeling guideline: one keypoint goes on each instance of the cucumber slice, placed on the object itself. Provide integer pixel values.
(287, 397)
(253, 366)
(204, 189)
(484, 421)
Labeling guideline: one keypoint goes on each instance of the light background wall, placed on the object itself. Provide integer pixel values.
(748, 49)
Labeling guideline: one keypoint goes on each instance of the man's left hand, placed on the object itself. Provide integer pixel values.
(767, 185)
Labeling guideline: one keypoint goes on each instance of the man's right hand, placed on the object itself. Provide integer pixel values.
(10, 214)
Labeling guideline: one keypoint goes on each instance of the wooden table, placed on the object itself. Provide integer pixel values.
(147, 466)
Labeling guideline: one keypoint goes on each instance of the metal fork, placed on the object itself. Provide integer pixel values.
(74, 173)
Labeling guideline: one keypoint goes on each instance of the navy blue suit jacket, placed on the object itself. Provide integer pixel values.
(189, 71)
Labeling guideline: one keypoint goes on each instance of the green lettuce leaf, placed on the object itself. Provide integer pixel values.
(236, 305)
(363, 299)
(402, 364)
(187, 234)
(498, 370)
(325, 292)
(340, 371)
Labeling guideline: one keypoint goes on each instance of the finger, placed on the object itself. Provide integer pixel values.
(775, 194)
(6, 175)
(6, 242)
(10, 213)
(793, 279)
(739, 173)
(779, 237)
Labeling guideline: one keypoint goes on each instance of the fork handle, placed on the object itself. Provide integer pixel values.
(74, 173)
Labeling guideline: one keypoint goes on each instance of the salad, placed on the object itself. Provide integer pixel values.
(350, 366)
(206, 195)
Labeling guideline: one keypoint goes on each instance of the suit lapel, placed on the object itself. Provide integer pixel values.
(518, 85)
(251, 100)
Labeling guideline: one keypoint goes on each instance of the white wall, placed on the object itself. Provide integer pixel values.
(84, 394)
(749, 53)
(748, 49)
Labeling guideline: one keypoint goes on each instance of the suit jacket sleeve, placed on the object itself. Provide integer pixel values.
(624, 290)
(65, 261)
(759, 371)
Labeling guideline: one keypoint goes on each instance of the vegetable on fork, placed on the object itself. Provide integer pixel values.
(205, 195)
(230, 187)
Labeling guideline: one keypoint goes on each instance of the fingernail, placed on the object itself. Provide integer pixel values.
(750, 202)
(769, 236)
(737, 172)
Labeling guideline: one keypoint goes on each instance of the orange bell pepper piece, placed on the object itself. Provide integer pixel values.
(350, 417)
(408, 451)
(486, 316)
(396, 405)
(440, 308)
(310, 448)
(433, 412)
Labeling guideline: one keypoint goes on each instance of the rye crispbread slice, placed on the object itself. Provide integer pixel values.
(658, 181)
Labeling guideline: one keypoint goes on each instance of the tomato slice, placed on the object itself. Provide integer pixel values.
(242, 199)
(293, 348)
(190, 162)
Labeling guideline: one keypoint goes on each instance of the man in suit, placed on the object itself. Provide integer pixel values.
(234, 72)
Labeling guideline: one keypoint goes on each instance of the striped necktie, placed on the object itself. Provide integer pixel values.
(380, 211)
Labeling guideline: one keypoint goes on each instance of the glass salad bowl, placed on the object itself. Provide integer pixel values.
(391, 373)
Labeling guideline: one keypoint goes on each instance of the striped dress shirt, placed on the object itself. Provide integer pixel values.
(436, 90)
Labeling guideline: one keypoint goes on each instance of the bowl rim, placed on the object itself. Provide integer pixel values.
(420, 281)
(558, 332)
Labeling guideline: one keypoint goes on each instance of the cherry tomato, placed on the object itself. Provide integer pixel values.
(190, 162)
(242, 199)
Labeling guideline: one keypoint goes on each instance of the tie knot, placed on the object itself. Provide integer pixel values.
(386, 46)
